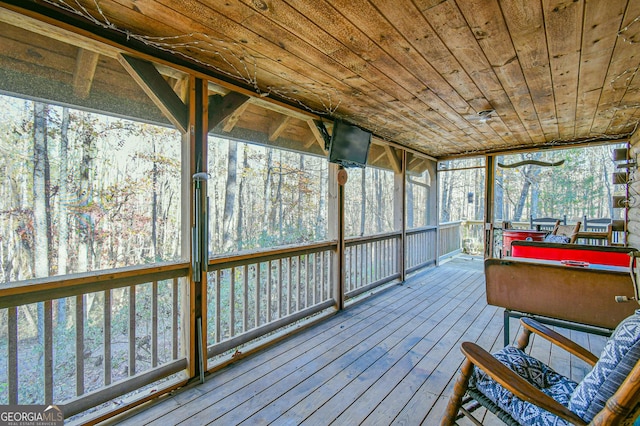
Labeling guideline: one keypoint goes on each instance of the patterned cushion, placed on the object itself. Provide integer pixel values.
(535, 372)
(620, 354)
(556, 239)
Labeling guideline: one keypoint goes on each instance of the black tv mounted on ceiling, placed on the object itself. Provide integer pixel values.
(348, 145)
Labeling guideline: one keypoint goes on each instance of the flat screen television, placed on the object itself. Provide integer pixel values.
(349, 145)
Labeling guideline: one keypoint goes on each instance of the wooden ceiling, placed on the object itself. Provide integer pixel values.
(415, 72)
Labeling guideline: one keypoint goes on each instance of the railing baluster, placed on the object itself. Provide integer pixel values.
(326, 282)
(232, 303)
(279, 288)
(48, 353)
(298, 287)
(257, 286)
(154, 324)
(174, 317)
(289, 284)
(269, 275)
(79, 345)
(12, 323)
(245, 298)
(218, 297)
(132, 330)
(315, 278)
(106, 324)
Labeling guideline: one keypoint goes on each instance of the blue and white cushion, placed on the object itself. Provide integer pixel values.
(563, 239)
(619, 356)
(535, 372)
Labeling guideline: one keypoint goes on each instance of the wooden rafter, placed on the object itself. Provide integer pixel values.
(316, 134)
(396, 163)
(278, 127)
(86, 64)
(232, 120)
(224, 107)
(157, 88)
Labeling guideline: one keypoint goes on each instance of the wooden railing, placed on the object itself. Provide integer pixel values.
(370, 262)
(99, 335)
(450, 239)
(421, 247)
(251, 294)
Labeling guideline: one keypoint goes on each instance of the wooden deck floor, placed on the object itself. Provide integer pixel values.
(389, 360)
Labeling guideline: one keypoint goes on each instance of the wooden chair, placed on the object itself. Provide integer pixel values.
(504, 383)
(569, 231)
(605, 236)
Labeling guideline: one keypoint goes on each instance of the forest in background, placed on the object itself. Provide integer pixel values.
(581, 186)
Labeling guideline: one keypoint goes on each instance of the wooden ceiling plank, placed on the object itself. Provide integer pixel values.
(451, 26)
(525, 22)
(601, 23)
(620, 74)
(86, 64)
(278, 126)
(490, 30)
(564, 34)
(416, 93)
(150, 80)
(235, 31)
(223, 107)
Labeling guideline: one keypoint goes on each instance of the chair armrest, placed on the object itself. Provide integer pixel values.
(516, 384)
(559, 340)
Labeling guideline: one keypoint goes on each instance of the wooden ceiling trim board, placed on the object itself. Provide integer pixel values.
(57, 33)
(449, 23)
(150, 80)
(381, 60)
(602, 20)
(55, 62)
(623, 66)
(564, 39)
(525, 21)
(278, 126)
(490, 30)
(86, 64)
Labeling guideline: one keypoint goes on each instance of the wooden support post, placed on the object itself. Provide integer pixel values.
(336, 231)
(490, 171)
(399, 207)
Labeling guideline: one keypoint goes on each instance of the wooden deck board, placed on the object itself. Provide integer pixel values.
(391, 359)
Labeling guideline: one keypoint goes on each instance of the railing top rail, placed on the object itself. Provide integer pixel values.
(264, 255)
(374, 237)
(48, 288)
(421, 229)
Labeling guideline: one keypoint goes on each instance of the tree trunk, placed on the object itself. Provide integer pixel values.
(154, 204)
(40, 212)
(63, 211)
(301, 205)
(230, 197)
(239, 228)
(363, 207)
(266, 214)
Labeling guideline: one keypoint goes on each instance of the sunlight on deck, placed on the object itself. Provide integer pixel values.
(391, 359)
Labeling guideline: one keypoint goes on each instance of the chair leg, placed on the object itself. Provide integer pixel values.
(455, 402)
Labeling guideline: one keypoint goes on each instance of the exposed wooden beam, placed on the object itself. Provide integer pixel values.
(232, 120)
(396, 163)
(316, 134)
(86, 64)
(278, 127)
(156, 87)
(223, 107)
